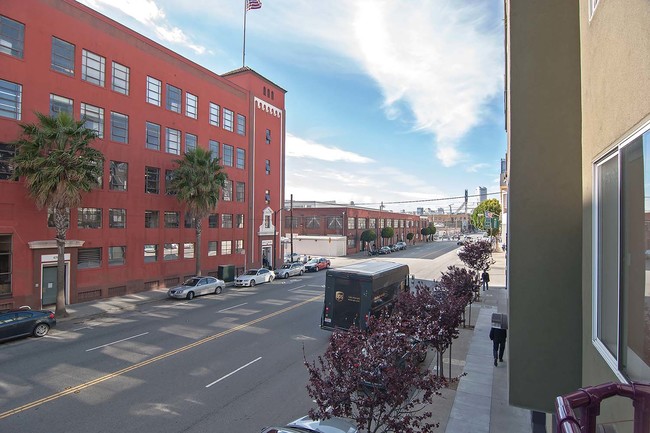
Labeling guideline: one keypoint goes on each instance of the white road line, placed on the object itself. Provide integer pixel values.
(118, 341)
(83, 327)
(297, 288)
(230, 308)
(233, 372)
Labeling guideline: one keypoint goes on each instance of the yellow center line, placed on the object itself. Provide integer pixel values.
(82, 386)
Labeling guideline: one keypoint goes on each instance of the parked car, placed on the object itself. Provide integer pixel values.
(393, 248)
(401, 245)
(384, 250)
(316, 264)
(290, 269)
(255, 276)
(307, 425)
(197, 286)
(23, 322)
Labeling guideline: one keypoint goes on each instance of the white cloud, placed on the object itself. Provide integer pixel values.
(476, 167)
(300, 148)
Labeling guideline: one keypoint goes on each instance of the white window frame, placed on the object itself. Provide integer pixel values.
(11, 96)
(120, 78)
(214, 114)
(191, 105)
(61, 102)
(173, 141)
(174, 99)
(93, 68)
(93, 118)
(228, 119)
(154, 91)
(119, 127)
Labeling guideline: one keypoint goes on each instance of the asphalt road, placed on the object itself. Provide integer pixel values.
(218, 363)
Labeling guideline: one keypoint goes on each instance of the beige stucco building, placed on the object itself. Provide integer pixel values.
(578, 123)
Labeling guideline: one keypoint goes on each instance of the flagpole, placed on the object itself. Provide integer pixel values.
(243, 54)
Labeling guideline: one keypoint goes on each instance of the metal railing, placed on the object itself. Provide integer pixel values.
(588, 401)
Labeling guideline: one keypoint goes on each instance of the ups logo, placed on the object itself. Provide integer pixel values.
(339, 296)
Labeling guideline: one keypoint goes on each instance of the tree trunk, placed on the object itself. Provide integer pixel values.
(197, 250)
(61, 223)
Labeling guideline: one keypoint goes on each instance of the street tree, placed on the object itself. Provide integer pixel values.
(368, 236)
(197, 180)
(373, 377)
(432, 231)
(58, 164)
(477, 255)
(387, 232)
(409, 236)
(478, 216)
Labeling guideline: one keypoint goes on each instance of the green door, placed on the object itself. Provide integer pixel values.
(49, 285)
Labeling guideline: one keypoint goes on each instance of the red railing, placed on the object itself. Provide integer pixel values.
(588, 401)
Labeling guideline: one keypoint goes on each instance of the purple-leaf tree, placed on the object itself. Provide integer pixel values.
(373, 377)
(477, 255)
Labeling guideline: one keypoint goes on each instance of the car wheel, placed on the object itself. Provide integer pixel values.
(301, 272)
(252, 283)
(217, 290)
(286, 276)
(190, 296)
(271, 278)
(317, 269)
(41, 330)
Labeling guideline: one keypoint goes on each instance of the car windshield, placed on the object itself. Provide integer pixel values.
(286, 266)
(192, 282)
(252, 272)
(313, 261)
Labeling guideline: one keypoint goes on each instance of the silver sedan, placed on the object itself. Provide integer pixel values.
(197, 286)
(290, 269)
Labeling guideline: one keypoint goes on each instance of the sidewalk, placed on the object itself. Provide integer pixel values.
(479, 402)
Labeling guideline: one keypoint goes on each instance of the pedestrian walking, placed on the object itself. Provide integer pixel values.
(485, 278)
(498, 337)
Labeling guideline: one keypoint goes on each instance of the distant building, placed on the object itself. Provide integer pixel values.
(481, 193)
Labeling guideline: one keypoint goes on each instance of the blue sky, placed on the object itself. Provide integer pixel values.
(388, 100)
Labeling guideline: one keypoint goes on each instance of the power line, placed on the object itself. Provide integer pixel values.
(426, 200)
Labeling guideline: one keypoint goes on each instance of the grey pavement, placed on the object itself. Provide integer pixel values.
(479, 401)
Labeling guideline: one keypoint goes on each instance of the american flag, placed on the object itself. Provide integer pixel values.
(253, 4)
(488, 214)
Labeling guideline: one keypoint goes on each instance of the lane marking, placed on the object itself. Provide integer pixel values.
(232, 372)
(230, 308)
(83, 327)
(77, 388)
(115, 342)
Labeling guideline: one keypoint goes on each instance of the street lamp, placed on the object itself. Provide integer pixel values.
(345, 239)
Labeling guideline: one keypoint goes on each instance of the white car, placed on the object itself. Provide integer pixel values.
(254, 276)
(308, 425)
(196, 286)
(290, 269)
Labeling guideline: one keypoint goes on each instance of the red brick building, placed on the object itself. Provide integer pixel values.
(149, 105)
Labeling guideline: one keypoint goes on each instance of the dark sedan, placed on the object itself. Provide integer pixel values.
(24, 322)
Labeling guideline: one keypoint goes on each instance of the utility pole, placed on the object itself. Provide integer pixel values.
(291, 214)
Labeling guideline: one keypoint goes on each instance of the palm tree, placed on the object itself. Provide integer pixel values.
(57, 163)
(196, 182)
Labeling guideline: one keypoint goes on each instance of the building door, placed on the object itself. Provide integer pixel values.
(267, 256)
(49, 286)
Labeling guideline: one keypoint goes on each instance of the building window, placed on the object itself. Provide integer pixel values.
(621, 247)
(169, 179)
(214, 149)
(226, 221)
(241, 124)
(213, 117)
(268, 136)
(153, 136)
(12, 37)
(93, 68)
(372, 223)
(11, 95)
(5, 264)
(89, 218)
(173, 98)
(116, 256)
(239, 246)
(213, 221)
(173, 141)
(170, 252)
(239, 220)
(151, 180)
(151, 218)
(117, 218)
(60, 104)
(88, 258)
(228, 156)
(351, 223)
(120, 82)
(190, 142)
(352, 243)
(150, 253)
(93, 118)
(335, 223)
(312, 222)
(191, 105)
(7, 153)
(227, 190)
(361, 223)
(290, 222)
(172, 219)
(240, 191)
(119, 127)
(212, 248)
(188, 250)
(226, 248)
(267, 196)
(241, 158)
(119, 172)
(189, 221)
(268, 166)
(227, 120)
(62, 56)
(154, 89)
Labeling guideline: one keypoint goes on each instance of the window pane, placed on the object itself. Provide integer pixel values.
(60, 104)
(89, 218)
(173, 98)
(120, 78)
(151, 180)
(241, 124)
(169, 177)
(214, 114)
(172, 219)
(117, 218)
(10, 99)
(93, 68)
(227, 190)
(6, 155)
(173, 141)
(188, 250)
(226, 247)
(191, 105)
(190, 142)
(119, 172)
(153, 136)
(150, 253)
(12, 37)
(241, 158)
(89, 258)
(116, 256)
(94, 118)
(62, 56)
(154, 90)
(119, 127)
(240, 193)
(151, 218)
(5, 264)
(227, 120)
(228, 155)
(170, 252)
(214, 149)
(213, 221)
(212, 248)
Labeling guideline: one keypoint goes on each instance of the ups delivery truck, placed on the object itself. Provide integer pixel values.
(355, 292)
